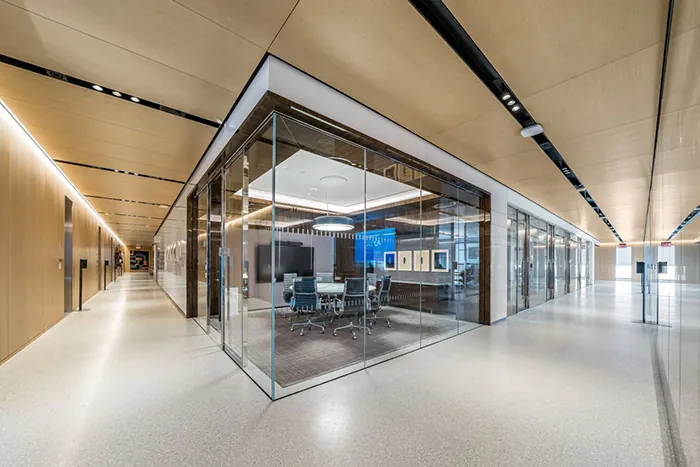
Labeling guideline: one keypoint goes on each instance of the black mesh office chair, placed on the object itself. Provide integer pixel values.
(380, 300)
(354, 305)
(305, 302)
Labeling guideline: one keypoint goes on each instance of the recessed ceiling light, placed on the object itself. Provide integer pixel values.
(511, 102)
(117, 93)
(219, 121)
(515, 108)
(506, 97)
(97, 87)
(163, 206)
(135, 99)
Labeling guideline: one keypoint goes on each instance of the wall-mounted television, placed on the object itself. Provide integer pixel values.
(289, 259)
(378, 242)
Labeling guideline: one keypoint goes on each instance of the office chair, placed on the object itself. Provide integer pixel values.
(372, 279)
(305, 302)
(325, 276)
(353, 304)
(380, 300)
(288, 282)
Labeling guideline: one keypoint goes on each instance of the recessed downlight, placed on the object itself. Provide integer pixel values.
(135, 99)
(97, 87)
(515, 108)
(511, 102)
(117, 93)
(505, 97)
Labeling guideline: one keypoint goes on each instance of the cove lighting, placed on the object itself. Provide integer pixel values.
(97, 87)
(49, 160)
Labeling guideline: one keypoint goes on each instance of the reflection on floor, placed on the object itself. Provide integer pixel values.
(131, 382)
(299, 358)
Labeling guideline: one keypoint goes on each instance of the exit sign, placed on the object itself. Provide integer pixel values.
(665, 243)
(622, 245)
(138, 247)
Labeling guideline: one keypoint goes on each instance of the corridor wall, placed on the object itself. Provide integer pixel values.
(32, 200)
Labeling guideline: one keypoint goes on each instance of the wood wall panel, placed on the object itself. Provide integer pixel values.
(605, 263)
(32, 198)
(4, 239)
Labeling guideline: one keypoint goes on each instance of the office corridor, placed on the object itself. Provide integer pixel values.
(129, 381)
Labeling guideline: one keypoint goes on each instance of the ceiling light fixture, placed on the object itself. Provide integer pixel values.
(506, 97)
(97, 87)
(511, 102)
(330, 223)
(135, 99)
(515, 108)
(117, 93)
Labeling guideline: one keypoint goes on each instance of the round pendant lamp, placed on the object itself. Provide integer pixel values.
(330, 223)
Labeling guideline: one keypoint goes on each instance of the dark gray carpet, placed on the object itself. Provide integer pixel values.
(298, 358)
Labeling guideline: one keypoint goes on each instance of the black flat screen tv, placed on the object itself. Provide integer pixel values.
(289, 259)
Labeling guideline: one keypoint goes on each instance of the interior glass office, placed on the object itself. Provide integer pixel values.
(544, 261)
(318, 256)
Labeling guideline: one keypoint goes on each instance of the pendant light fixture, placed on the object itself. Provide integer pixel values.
(330, 223)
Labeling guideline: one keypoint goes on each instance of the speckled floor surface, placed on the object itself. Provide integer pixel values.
(133, 383)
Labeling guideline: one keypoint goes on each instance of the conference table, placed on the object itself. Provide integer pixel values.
(333, 288)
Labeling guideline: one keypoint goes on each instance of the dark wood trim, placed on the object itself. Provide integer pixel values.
(191, 255)
(485, 262)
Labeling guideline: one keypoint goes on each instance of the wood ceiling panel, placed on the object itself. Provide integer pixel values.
(385, 55)
(682, 86)
(161, 30)
(115, 185)
(523, 166)
(53, 94)
(45, 124)
(621, 93)
(43, 42)
(538, 44)
(621, 143)
(121, 207)
(488, 138)
(258, 21)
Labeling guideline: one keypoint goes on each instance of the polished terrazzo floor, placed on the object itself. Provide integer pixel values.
(131, 382)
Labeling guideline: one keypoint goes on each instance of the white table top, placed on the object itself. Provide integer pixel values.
(333, 288)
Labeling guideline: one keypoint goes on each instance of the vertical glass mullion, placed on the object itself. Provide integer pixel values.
(273, 257)
(364, 256)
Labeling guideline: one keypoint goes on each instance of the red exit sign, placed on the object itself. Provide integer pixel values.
(665, 243)
(622, 245)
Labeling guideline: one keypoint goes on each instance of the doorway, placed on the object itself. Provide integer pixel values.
(68, 256)
(99, 257)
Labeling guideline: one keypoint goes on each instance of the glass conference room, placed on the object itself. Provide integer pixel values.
(318, 256)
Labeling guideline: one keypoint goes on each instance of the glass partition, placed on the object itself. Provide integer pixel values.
(202, 259)
(513, 262)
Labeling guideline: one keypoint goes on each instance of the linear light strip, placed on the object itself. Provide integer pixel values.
(688, 219)
(60, 172)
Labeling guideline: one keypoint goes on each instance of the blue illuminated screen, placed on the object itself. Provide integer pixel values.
(378, 242)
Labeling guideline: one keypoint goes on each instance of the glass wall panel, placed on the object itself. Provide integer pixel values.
(561, 271)
(513, 261)
(574, 257)
(537, 245)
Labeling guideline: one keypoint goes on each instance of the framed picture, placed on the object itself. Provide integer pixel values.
(390, 260)
(405, 263)
(405, 173)
(421, 260)
(441, 260)
(390, 171)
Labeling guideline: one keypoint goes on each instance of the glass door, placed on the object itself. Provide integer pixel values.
(537, 245)
(560, 263)
(523, 261)
(233, 262)
(512, 261)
